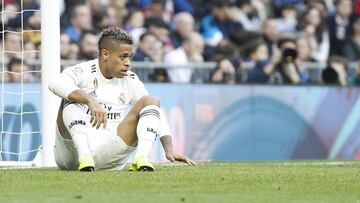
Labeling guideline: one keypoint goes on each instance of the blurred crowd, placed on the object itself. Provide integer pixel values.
(251, 41)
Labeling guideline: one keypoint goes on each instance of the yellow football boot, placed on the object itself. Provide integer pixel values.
(141, 163)
(86, 163)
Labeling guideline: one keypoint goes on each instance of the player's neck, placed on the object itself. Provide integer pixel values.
(103, 69)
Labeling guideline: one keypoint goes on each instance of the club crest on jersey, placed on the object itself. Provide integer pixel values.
(96, 83)
(122, 98)
(78, 71)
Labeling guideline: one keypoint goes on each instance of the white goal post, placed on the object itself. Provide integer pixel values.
(12, 122)
(50, 66)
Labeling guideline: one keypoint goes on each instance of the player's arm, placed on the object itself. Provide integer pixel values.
(166, 142)
(66, 86)
(98, 114)
(165, 137)
(171, 155)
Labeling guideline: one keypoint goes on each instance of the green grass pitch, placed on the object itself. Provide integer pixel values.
(305, 181)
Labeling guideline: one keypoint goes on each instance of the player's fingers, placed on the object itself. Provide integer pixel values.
(105, 120)
(187, 160)
(100, 121)
(170, 157)
(95, 120)
(190, 162)
(92, 117)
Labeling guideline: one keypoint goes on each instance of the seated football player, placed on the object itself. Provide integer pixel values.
(107, 113)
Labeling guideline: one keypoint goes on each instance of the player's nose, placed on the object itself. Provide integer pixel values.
(127, 62)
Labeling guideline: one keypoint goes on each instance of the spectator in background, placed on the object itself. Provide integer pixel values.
(189, 52)
(94, 5)
(281, 68)
(74, 51)
(31, 51)
(330, 77)
(260, 65)
(352, 45)
(322, 6)
(134, 24)
(336, 72)
(304, 49)
(184, 25)
(288, 68)
(80, 21)
(183, 6)
(120, 9)
(357, 74)
(157, 9)
(149, 48)
(178, 5)
(271, 33)
(103, 18)
(22, 18)
(19, 71)
(339, 26)
(65, 11)
(218, 25)
(161, 30)
(288, 20)
(245, 13)
(64, 46)
(226, 49)
(314, 27)
(224, 73)
(34, 23)
(9, 16)
(278, 4)
(88, 46)
(12, 45)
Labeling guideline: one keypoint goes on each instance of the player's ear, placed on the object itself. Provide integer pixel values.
(105, 54)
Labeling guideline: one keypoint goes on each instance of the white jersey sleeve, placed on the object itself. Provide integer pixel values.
(70, 80)
(139, 89)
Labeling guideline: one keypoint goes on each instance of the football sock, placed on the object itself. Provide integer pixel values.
(75, 121)
(147, 129)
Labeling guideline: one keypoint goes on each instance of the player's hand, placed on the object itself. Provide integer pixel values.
(172, 156)
(98, 115)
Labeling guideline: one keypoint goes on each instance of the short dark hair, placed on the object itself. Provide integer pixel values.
(114, 34)
(252, 46)
(155, 22)
(73, 10)
(90, 32)
(145, 34)
(284, 40)
(222, 3)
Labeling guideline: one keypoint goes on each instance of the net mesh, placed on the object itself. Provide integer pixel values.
(20, 88)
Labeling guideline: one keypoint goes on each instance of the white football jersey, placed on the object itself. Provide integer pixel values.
(117, 95)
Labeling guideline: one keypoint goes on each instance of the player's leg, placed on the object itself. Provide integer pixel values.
(108, 150)
(66, 157)
(140, 127)
(74, 121)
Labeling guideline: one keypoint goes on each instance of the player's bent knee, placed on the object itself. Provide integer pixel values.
(73, 115)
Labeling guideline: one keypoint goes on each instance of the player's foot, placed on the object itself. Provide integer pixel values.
(86, 163)
(141, 164)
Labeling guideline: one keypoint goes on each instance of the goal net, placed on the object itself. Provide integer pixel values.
(29, 35)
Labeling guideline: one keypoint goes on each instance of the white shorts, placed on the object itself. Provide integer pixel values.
(108, 150)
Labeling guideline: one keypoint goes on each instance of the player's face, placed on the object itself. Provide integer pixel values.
(119, 61)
